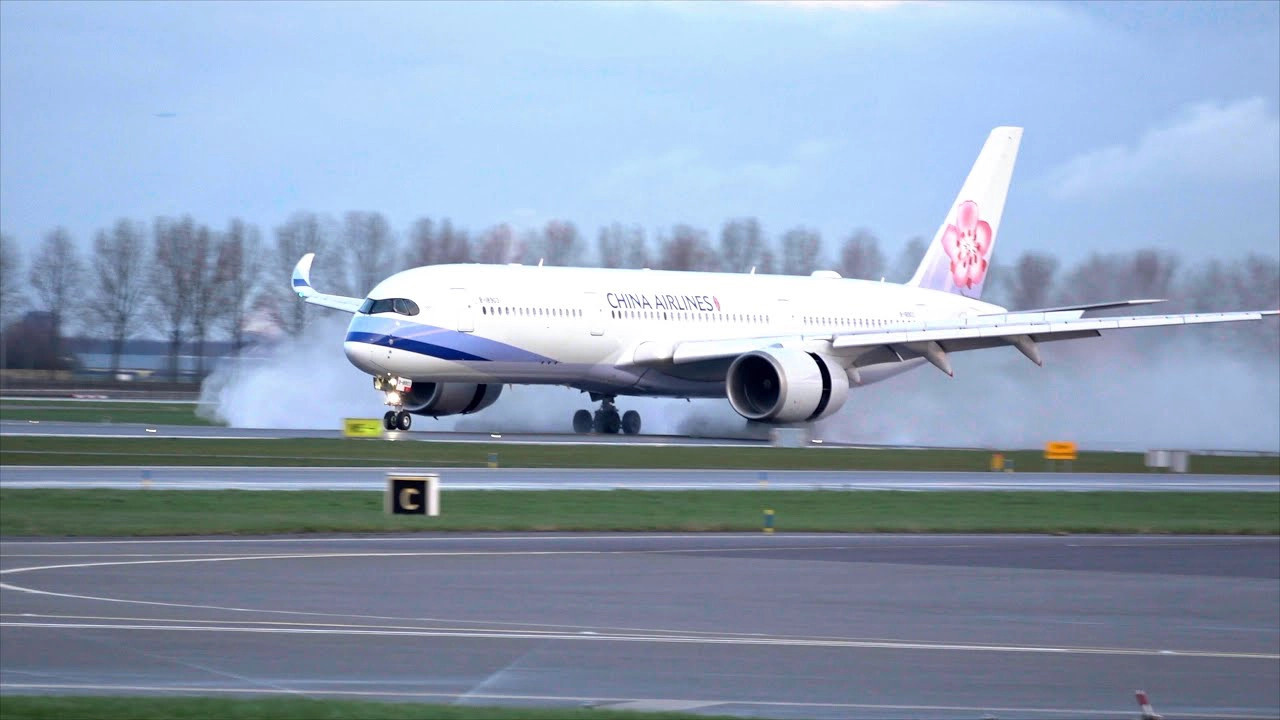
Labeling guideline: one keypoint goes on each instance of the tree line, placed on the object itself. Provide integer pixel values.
(190, 282)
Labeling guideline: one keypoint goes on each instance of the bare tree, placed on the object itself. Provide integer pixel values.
(10, 271)
(240, 268)
(1144, 274)
(207, 303)
(1257, 283)
(1153, 272)
(303, 233)
(172, 283)
(564, 244)
(371, 249)
(741, 244)
(558, 244)
(55, 275)
(768, 264)
(497, 245)
(611, 246)
(687, 249)
(1030, 284)
(455, 243)
(1247, 284)
(429, 245)
(421, 246)
(622, 246)
(10, 291)
(861, 257)
(908, 259)
(801, 251)
(637, 249)
(119, 282)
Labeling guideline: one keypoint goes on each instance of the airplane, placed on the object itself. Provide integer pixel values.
(444, 339)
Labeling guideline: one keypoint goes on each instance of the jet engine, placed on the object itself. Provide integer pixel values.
(780, 385)
(437, 399)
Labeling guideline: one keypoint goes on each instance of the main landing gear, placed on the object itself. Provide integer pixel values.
(606, 420)
(396, 418)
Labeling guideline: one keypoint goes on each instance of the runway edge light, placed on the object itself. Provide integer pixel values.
(1148, 712)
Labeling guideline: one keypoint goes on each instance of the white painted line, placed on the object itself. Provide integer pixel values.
(479, 634)
(650, 636)
(578, 699)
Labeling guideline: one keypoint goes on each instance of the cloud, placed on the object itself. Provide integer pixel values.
(1207, 143)
(858, 5)
(686, 172)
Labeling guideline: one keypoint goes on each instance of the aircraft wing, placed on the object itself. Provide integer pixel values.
(302, 286)
(933, 340)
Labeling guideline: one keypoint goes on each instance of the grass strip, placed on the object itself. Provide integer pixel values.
(39, 707)
(101, 513)
(326, 452)
(102, 412)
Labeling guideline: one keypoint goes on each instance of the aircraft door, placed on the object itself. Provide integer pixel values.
(785, 321)
(594, 313)
(462, 308)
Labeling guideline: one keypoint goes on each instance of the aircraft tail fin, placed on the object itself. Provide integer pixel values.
(958, 258)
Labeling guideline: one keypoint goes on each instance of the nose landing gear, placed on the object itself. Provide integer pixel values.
(606, 420)
(394, 388)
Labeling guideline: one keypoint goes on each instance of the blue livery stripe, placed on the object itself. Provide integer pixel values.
(447, 343)
(300, 281)
(414, 346)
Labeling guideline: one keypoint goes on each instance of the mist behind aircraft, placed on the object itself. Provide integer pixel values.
(1105, 393)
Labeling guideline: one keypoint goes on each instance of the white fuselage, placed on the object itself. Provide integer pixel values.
(593, 328)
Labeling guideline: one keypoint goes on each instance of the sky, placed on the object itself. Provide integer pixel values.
(1147, 124)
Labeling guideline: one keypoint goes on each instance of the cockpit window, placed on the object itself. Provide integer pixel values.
(401, 306)
(405, 306)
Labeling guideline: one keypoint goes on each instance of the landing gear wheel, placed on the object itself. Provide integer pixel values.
(631, 422)
(582, 421)
(403, 421)
(389, 420)
(607, 421)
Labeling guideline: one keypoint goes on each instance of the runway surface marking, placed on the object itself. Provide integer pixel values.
(648, 636)
(483, 634)
(603, 701)
(890, 540)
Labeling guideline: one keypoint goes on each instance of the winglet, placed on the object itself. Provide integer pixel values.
(302, 286)
(302, 276)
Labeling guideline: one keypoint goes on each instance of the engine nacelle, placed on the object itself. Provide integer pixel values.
(437, 399)
(781, 385)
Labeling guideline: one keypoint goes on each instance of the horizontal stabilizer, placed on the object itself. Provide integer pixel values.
(1084, 308)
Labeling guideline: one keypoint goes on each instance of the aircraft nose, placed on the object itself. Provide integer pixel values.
(358, 349)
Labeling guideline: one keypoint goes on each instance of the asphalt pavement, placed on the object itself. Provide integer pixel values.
(818, 626)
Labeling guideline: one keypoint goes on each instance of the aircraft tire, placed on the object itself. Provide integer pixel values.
(582, 421)
(607, 422)
(404, 421)
(389, 420)
(631, 422)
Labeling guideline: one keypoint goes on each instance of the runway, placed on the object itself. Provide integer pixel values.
(364, 478)
(816, 626)
(45, 428)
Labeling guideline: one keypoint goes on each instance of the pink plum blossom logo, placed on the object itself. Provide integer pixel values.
(967, 243)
